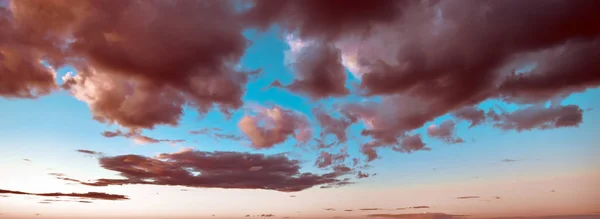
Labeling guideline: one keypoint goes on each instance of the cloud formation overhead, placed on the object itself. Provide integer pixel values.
(299, 108)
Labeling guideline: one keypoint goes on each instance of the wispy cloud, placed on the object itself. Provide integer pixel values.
(88, 195)
(467, 197)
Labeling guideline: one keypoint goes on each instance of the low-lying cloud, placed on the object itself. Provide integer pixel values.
(233, 170)
(88, 195)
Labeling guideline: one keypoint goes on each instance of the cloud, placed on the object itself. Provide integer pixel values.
(230, 170)
(318, 19)
(329, 209)
(467, 197)
(204, 131)
(217, 134)
(574, 216)
(508, 160)
(128, 71)
(419, 207)
(138, 137)
(387, 124)
(88, 195)
(361, 175)
(22, 56)
(560, 71)
(370, 209)
(326, 159)
(539, 117)
(421, 77)
(445, 132)
(471, 114)
(419, 216)
(332, 125)
(318, 70)
(23, 73)
(271, 126)
(90, 152)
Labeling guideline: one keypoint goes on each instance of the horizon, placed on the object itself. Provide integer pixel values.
(389, 109)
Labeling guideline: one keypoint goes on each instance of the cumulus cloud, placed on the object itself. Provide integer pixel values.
(88, 195)
(417, 60)
(270, 126)
(22, 73)
(318, 70)
(422, 77)
(128, 71)
(233, 170)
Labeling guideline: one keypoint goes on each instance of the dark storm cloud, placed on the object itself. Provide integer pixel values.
(234, 170)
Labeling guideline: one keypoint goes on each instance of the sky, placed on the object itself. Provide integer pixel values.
(299, 109)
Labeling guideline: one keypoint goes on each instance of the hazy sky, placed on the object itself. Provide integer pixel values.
(217, 109)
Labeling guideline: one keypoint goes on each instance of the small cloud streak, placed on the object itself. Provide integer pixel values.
(90, 152)
(370, 209)
(508, 160)
(138, 138)
(419, 216)
(467, 197)
(88, 195)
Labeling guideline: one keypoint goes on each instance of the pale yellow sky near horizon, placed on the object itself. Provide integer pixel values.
(574, 194)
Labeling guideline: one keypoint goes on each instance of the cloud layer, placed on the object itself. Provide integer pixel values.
(230, 170)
